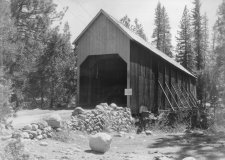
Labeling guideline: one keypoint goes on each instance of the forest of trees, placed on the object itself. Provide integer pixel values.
(38, 58)
(40, 63)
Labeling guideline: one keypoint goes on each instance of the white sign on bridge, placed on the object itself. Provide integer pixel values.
(128, 92)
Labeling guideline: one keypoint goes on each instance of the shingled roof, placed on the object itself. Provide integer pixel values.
(134, 37)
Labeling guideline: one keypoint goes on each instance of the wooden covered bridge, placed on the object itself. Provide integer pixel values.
(112, 59)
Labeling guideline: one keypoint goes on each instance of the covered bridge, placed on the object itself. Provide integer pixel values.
(114, 61)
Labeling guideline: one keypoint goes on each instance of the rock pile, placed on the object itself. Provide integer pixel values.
(39, 131)
(102, 118)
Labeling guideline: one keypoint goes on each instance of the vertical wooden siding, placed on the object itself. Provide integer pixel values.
(141, 77)
(146, 70)
(103, 37)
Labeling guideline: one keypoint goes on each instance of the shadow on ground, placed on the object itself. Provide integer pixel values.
(93, 152)
(204, 147)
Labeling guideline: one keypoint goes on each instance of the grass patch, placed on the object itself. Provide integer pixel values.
(65, 135)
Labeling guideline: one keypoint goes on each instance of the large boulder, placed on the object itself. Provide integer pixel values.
(100, 142)
(55, 121)
(78, 110)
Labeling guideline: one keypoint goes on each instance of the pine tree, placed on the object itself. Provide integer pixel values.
(198, 48)
(136, 27)
(126, 21)
(185, 54)
(205, 41)
(158, 27)
(219, 48)
(166, 40)
(197, 35)
(161, 34)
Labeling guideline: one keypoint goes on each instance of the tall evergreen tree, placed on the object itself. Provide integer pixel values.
(157, 38)
(166, 40)
(205, 41)
(138, 29)
(219, 49)
(43, 70)
(126, 21)
(184, 45)
(197, 35)
(161, 33)
(198, 48)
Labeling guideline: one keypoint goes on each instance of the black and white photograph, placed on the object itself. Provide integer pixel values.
(112, 79)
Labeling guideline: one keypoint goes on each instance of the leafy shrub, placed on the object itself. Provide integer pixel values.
(5, 105)
(15, 150)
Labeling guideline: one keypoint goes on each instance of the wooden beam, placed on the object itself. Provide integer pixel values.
(184, 96)
(178, 96)
(192, 101)
(166, 96)
(172, 96)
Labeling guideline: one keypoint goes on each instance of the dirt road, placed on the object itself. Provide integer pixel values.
(25, 117)
(129, 147)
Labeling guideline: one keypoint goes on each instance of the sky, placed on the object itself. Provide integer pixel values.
(81, 12)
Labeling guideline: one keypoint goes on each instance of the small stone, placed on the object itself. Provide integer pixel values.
(119, 108)
(105, 105)
(131, 137)
(45, 136)
(34, 127)
(58, 129)
(148, 132)
(48, 129)
(113, 105)
(31, 136)
(77, 111)
(39, 137)
(49, 135)
(100, 107)
(42, 125)
(39, 132)
(27, 127)
(17, 134)
(189, 158)
(34, 133)
(25, 135)
(43, 144)
(55, 121)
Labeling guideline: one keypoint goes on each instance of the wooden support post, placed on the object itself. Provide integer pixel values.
(194, 98)
(166, 95)
(178, 96)
(172, 96)
(193, 103)
(184, 97)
